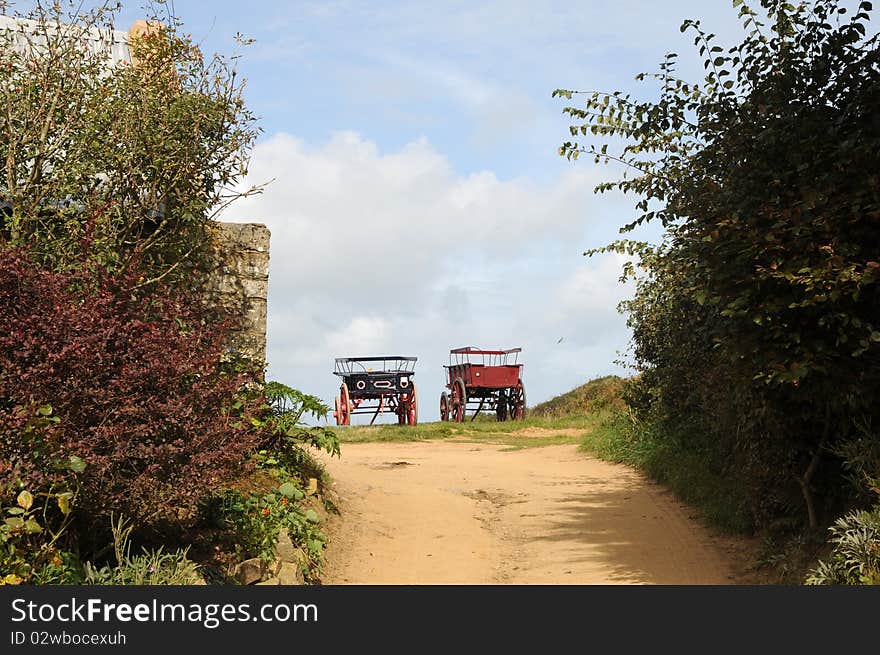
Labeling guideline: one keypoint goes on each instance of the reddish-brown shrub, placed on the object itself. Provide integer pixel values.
(136, 390)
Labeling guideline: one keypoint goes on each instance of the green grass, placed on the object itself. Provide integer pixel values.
(662, 454)
(483, 430)
(718, 498)
(595, 396)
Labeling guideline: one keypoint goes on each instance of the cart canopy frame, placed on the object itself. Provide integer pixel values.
(346, 366)
(472, 355)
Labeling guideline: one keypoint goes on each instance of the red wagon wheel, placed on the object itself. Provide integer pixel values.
(343, 415)
(459, 401)
(501, 406)
(444, 407)
(517, 401)
(412, 407)
(408, 407)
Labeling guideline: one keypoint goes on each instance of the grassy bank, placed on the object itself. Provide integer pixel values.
(718, 498)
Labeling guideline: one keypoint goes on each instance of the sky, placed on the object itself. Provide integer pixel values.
(417, 202)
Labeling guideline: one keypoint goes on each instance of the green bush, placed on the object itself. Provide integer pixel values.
(855, 557)
(255, 521)
(288, 437)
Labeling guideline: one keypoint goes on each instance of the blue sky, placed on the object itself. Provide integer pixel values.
(418, 202)
(475, 77)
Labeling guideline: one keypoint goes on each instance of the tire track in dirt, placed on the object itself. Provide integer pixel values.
(437, 512)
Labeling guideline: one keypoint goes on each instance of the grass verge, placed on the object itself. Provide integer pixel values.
(530, 433)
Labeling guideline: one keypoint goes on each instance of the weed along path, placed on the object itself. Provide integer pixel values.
(454, 511)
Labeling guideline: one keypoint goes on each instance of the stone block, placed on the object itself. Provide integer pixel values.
(250, 571)
(291, 574)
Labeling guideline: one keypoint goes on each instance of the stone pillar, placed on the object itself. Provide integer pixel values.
(242, 283)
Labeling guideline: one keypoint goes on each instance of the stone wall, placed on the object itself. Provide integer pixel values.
(242, 283)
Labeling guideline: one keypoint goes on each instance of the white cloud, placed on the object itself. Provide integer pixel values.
(378, 253)
(364, 334)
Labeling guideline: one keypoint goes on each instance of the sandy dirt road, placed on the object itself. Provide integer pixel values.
(447, 512)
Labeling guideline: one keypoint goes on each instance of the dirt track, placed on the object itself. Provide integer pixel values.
(441, 512)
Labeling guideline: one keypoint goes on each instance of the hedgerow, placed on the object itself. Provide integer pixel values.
(756, 326)
(117, 396)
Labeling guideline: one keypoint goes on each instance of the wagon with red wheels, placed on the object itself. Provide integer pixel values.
(480, 380)
(376, 385)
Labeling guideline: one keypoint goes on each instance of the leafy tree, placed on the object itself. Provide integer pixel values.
(128, 161)
(765, 289)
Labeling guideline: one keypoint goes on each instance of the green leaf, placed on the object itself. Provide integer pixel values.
(15, 511)
(875, 336)
(32, 527)
(25, 500)
(289, 489)
(15, 522)
(45, 410)
(312, 516)
(64, 502)
(76, 463)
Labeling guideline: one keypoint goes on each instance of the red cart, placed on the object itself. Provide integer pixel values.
(483, 379)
